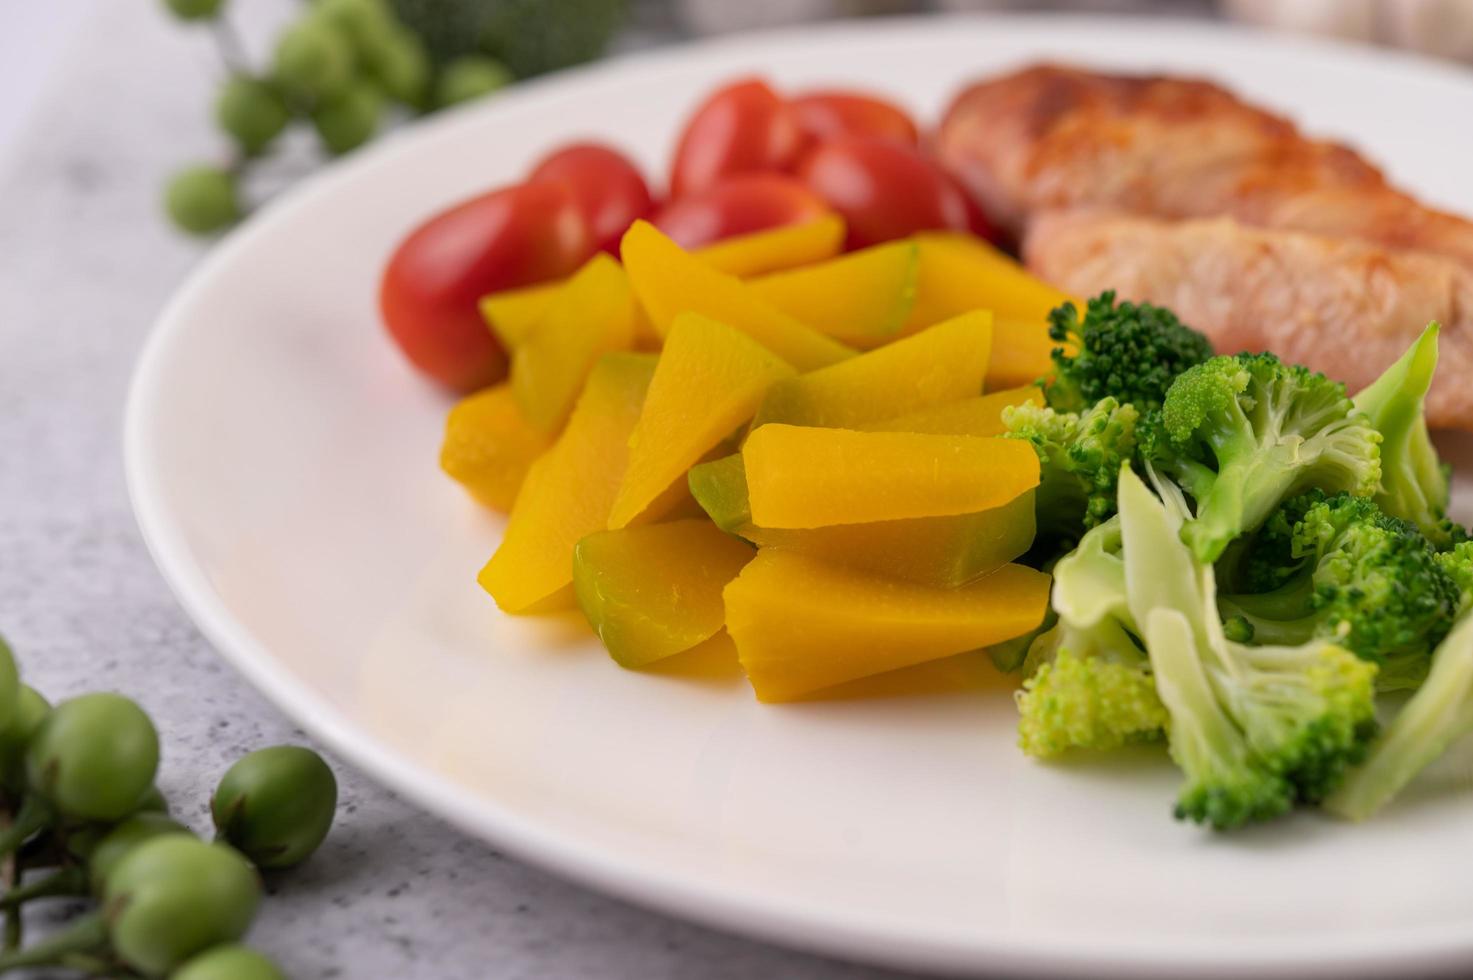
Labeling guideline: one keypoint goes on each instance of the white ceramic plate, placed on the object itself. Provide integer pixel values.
(282, 464)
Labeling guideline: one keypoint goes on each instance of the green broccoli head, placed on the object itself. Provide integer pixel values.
(1336, 567)
(1457, 563)
(1089, 684)
(1241, 433)
(1093, 690)
(1254, 729)
(1414, 481)
(1309, 710)
(1080, 457)
(1130, 352)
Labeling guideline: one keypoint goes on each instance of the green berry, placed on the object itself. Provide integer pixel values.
(313, 61)
(230, 962)
(470, 77)
(30, 710)
(276, 805)
(153, 801)
(93, 757)
(202, 199)
(252, 112)
(400, 63)
(105, 852)
(349, 120)
(9, 686)
(361, 22)
(194, 9)
(170, 898)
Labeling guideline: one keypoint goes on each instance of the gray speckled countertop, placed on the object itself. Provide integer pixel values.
(85, 265)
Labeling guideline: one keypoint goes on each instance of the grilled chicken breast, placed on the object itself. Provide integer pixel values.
(1339, 305)
(1049, 137)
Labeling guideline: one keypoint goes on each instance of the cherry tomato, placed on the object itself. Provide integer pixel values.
(513, 236)
(884, 190)
(739, 205)
(742, 127)
(826, 114)
(608, 187)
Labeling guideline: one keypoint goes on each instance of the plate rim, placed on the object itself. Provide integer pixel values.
(664, 888)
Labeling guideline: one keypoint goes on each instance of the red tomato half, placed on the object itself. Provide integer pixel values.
(739, 205)
(825, 115)
(742, 127)
(513, 236)
(608, 187)
(884, 190)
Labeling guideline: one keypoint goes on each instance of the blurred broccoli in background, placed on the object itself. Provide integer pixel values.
(342, 64)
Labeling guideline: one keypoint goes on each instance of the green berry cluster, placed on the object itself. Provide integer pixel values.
(83, 819)
(339, 68)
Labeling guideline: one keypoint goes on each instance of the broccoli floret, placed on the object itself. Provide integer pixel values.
(1350, 573)
(1414, 481)
(1254, 729)
(1242, 433)
(1080, 456)
(1090, 683)
(1457, 563)
(1130, 352)
(1432, 719)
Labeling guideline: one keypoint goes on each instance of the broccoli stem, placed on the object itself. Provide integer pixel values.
(1430, 721)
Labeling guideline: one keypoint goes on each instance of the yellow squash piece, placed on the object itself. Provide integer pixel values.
(513, 314)
(653, 591)
(978, 416)
(669, 280)
(801, 624)
(590, 317)
(720, 487)
(862, 298)
(960, 272)
(489, 446)
(569, 490)
(944, 363)
(777, 248)
(1021, 354)
(800, 477)
(940, 551)
(710, 380)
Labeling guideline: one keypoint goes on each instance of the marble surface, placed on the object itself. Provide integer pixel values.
(85, 264)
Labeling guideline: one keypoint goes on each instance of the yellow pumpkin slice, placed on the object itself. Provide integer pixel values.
(569, 490)
(800, 477)
(862, 298)
(960, 272)
(512, 314)
(669, 280)
(940, 551)
(978, 416)
(801, 624)
(489, 446)
(775, 249)
(654, 591)
(591, 316)
(941, 364)
(710, 380)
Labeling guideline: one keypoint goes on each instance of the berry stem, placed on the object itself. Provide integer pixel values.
(84, 935)
(228, 43)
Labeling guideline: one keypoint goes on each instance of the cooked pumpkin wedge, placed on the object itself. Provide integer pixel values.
(669, 280)
(569, 490)
(801, 624)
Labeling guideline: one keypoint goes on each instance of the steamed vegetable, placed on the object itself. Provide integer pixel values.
(1241, 433)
